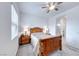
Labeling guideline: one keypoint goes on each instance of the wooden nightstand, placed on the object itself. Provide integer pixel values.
(24, 39)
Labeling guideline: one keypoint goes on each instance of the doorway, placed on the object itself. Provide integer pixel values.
(61, 28)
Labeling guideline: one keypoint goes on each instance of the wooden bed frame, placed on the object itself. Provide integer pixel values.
(36, 29)
(49, 45)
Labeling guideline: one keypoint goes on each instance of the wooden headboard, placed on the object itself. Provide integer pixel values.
(36, 29)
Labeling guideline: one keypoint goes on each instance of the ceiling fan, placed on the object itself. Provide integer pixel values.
(52, 6)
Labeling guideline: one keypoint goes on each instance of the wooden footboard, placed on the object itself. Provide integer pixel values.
(50, 45)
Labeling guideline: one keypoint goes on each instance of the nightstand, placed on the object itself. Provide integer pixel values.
(24, 39)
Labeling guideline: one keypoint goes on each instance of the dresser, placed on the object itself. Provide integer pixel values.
(24, 39)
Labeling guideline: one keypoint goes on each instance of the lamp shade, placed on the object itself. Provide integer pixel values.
(26, 29)
(45, 30)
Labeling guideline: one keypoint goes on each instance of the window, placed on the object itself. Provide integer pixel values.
(14, 23)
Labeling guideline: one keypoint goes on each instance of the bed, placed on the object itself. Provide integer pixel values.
(44, 44)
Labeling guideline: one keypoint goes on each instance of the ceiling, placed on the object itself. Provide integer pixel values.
(34, 8)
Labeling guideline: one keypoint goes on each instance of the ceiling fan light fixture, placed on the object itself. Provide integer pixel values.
(52, 7)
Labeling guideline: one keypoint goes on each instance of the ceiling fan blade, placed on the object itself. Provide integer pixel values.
(59, 3)
(43, 7)
(48, 11)
(56, 9)
(49, 4)
(54, 3)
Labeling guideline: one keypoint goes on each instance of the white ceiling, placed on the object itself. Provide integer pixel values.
(34, 8)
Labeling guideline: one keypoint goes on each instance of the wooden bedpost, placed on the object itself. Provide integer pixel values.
(60, 42)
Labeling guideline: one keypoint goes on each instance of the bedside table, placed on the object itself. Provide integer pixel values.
(24, 39)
